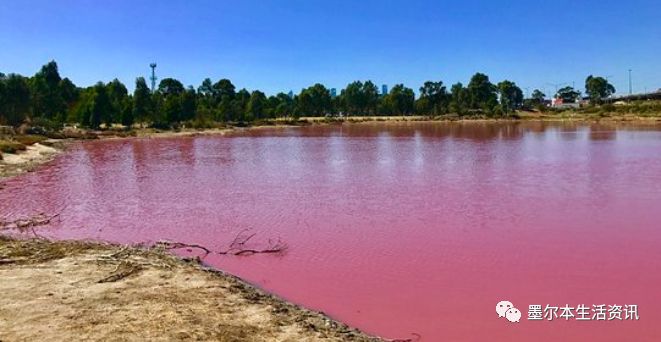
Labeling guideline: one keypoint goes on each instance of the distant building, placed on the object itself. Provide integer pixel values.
(384, 89)
(291, 94)
(333, 93)
(559, 103)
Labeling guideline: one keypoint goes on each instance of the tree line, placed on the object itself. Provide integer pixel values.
(46, 99)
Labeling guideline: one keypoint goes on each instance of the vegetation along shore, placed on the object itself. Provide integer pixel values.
(49, 101)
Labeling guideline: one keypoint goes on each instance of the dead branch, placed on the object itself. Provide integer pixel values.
(40, 219)
(273, 248)
(25, 224)
(236, 247)
(117, 274)
(179, 245)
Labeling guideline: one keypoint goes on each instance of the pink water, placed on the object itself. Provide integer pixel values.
(396, 229)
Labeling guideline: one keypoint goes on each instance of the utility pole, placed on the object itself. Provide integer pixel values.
(630, 88)
(153, 76)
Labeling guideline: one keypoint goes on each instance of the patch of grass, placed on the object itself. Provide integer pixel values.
(29, 139)
(7, 146)
(38, 251)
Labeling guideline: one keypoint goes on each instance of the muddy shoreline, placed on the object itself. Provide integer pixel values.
(68, 290)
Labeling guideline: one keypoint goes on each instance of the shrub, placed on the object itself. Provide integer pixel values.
(42, 125)
(29, 139)
(7, 146)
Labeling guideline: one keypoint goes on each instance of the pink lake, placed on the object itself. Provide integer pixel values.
(401, 230)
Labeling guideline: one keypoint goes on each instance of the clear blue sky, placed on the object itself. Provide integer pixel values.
(289, 44)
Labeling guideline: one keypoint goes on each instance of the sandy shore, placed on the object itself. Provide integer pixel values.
(25, 161)
(68, 291)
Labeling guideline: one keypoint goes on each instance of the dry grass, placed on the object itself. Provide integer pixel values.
(9, 146)
(62, 291)
(28, 139)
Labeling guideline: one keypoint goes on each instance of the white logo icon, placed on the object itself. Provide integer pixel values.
(502, 307)
(506, 309)
(513, 315)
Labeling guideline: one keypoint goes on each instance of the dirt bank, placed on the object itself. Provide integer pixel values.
(12, 164)
(68, 291)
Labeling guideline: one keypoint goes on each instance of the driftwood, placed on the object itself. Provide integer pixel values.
(236, 247)
(122, 271)
(26, 224)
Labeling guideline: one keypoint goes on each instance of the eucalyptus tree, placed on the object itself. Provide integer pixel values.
(170, 91)
(314, 100)
(511, 96)
(257, 106)
(101, 107)
(401, 100)
(568, 94)
(47, 101)
(142, 101)
(482, 93)
(598, 88)
(15, 102)
(460, 99)
(538, 96)
(433, 98)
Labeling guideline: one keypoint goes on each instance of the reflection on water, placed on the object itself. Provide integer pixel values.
(395, 228)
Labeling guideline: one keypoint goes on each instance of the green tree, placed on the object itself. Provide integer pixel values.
(47, 101)
(188, 104)
(228, 107)
(118, 95)
(598, 88)
(256, 106)
(460, 99)
(3, 98)
(360, 98)
(511, 96)
(206, 89)
(14, 99)
(171, 91)
(284, 105)
(433, 98)
(353, 99)
(567, 94)
(206, 99)
(240, 105)
(482, 93)
(401, 100)
(142, 101)
(70, 93)
(127, 112)
(314, 100)
(101, 108)
(370, 94)
(169, 86)
(538, 97)
(224, 87)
